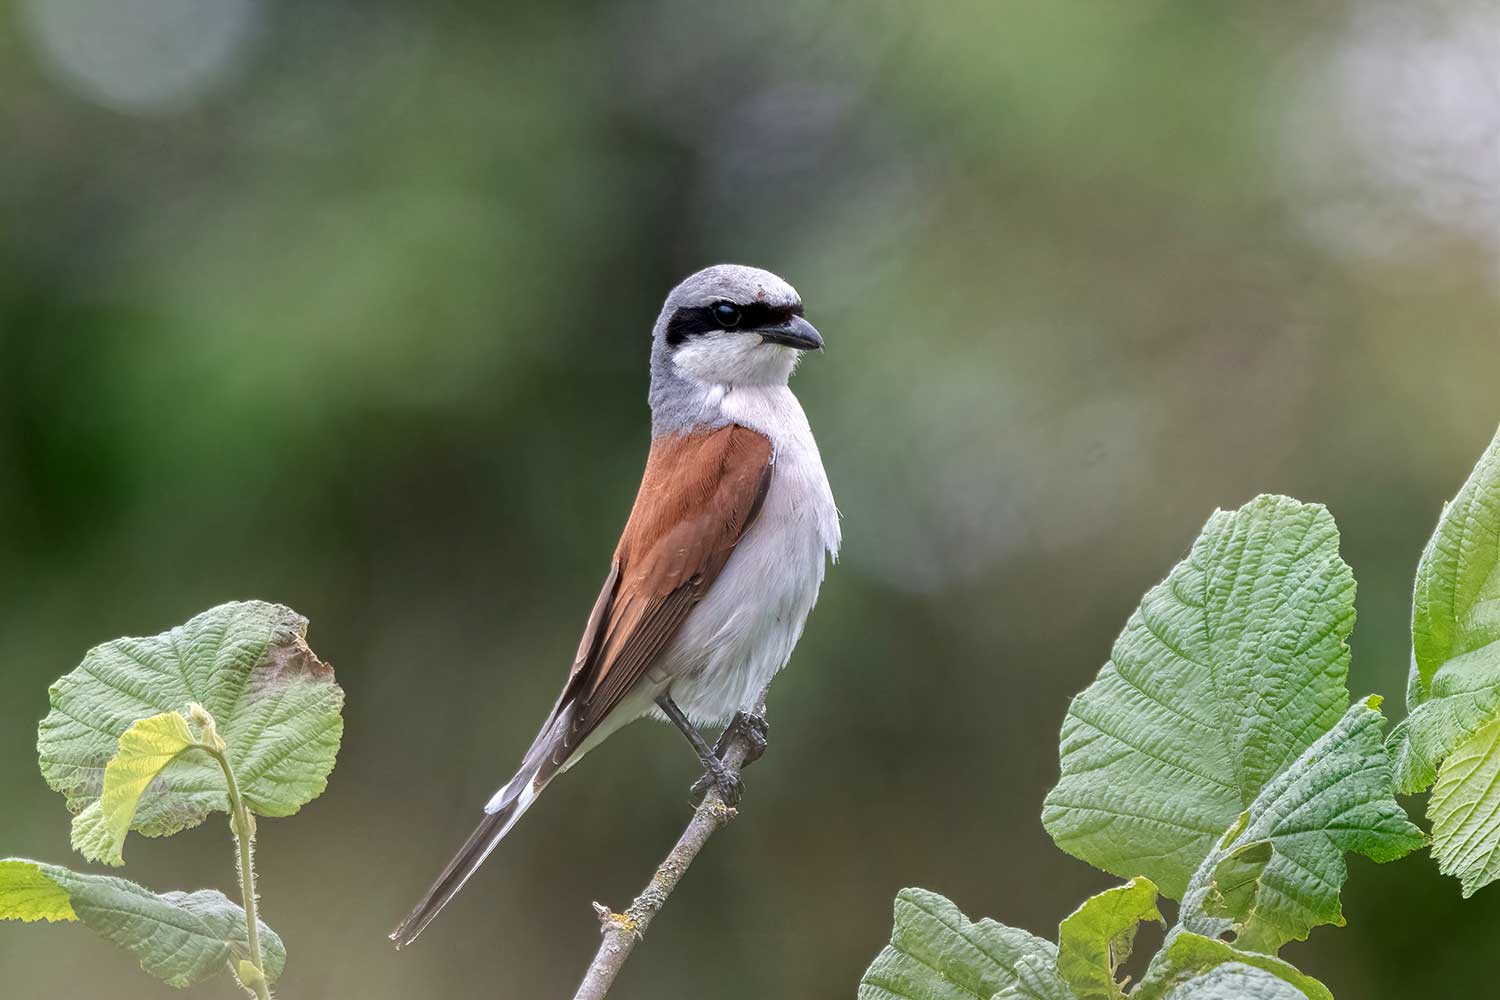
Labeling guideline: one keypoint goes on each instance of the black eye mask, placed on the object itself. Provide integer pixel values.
(696, 320)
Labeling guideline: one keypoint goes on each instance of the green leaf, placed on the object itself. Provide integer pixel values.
(248, 975)
(1036, 979)
(1229, 670)
(93, 838)
(1337, 797)
(1465, 811)
(1186, 957)
(180, 938)
(1236, 981)
(1454, 687)
(1095, 940)
(1463, 697)
(27, 894)
(1456, 606)
(146, 748)
(1234, 888)
(937, 954)
(276, 704)
(1451, 735)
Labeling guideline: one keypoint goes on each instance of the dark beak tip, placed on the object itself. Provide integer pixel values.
(797, 333)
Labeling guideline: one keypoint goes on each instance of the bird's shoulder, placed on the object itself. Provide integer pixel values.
(699, 492)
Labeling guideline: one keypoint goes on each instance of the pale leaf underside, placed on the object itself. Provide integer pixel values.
(146, 748)
(1465, 811)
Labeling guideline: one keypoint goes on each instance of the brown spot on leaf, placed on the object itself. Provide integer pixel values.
(289, 659)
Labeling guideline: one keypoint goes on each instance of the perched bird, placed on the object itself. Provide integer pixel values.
(718, 565)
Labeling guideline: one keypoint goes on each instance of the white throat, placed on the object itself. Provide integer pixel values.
(734, 358)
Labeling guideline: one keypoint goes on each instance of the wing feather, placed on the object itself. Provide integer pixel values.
(699, 495)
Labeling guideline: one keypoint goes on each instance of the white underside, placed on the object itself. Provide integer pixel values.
(745, 628)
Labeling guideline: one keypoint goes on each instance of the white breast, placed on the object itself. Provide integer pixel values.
(747, 625)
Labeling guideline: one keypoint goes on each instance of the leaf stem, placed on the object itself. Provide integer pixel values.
(243, 825)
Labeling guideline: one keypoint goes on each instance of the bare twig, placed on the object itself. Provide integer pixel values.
(622, 931)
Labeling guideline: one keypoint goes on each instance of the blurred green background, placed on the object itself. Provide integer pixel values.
(346, 305)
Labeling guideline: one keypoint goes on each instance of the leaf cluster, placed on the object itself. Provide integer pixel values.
(231, 712)
(1218, 760)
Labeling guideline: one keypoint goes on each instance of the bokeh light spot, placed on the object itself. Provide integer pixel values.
(141, 56)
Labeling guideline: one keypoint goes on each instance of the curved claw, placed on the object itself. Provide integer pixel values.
(754, 728)
(731, 789)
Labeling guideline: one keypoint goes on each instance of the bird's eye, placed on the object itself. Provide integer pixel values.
(727, 314)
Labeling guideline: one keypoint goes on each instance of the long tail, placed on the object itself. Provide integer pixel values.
(501, 813)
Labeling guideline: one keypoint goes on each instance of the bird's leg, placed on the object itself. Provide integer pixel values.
(753, 728)
(729, 786)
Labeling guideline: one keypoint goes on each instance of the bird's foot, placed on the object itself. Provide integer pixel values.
(731, 788)
(754, 729)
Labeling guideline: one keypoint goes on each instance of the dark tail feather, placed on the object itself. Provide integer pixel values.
(485, 838)
(548, 753)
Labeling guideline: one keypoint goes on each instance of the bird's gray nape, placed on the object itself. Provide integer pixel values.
(677, 404)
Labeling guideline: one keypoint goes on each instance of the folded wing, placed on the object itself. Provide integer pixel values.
(700, 494)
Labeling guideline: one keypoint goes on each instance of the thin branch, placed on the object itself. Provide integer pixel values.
(622, 931)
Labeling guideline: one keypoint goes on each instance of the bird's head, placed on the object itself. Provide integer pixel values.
(733, 325)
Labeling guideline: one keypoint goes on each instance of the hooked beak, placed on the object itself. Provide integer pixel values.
(795, 332)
